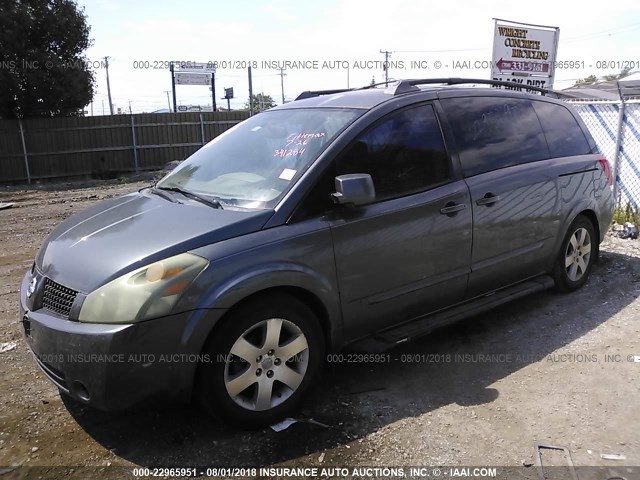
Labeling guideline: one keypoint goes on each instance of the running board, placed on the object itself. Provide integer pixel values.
(390, 337)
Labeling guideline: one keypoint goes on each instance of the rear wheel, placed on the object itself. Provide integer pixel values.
(576, 256)
(263, 359)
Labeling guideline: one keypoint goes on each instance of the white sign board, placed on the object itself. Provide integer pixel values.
(189, 108)
(524, 54)
(540, 82)
(183, 78)
(194, 67)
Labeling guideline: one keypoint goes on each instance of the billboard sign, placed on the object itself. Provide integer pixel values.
(189, 108)
(194, 67)
(524, 54)
(184, 78)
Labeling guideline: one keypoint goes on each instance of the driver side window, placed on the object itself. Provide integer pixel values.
(404, 153)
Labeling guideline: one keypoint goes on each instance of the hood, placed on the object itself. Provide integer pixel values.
(119, 235)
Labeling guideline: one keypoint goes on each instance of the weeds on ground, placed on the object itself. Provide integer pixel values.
(627, 213)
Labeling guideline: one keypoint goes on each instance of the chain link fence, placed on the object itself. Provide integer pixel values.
(615, 126)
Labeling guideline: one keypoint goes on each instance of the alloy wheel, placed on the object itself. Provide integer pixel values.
(578, 254)
(266, 364)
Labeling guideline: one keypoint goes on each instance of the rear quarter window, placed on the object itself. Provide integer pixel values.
(495, 132)
(562, 131)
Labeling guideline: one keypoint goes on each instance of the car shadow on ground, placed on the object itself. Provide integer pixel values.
(356, 399)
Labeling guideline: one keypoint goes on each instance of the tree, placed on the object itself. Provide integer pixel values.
(43, 69)
(590, 80)
(625, 72)
(261, 102)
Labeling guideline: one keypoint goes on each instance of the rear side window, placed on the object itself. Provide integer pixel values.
(495, 132)
(564, 135)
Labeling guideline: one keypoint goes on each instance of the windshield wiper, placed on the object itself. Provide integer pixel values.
(213, 202)
(155, 190)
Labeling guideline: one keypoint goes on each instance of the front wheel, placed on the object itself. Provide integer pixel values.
(263, 359)
(576, 256)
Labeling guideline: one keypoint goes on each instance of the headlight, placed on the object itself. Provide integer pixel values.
(146, 293)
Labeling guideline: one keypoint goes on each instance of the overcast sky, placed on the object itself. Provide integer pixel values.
(333, 31)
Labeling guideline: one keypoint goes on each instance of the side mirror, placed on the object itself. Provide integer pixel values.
(354, 189)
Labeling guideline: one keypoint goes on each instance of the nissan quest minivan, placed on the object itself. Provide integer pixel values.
(345, 219)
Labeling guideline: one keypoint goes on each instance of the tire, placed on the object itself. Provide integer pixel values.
(576, 257)
(263, 359)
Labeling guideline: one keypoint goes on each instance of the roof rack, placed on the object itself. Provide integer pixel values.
(317, 93)
(482, 81)
(403, 86)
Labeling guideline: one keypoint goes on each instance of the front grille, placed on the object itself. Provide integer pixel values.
(57, 298)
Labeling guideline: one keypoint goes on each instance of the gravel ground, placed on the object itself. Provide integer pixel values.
(549, 368)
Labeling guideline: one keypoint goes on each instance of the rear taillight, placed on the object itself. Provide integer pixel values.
(606, 168)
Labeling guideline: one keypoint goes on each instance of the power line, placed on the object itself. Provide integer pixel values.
(440, 51)
(602, 33)
(611, 31)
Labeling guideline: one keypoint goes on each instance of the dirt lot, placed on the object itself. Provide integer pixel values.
(552, 369)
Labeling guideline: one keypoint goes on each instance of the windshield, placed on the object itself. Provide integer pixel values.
(253, 164)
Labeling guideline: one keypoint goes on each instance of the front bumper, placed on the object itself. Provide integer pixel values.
(112, 367)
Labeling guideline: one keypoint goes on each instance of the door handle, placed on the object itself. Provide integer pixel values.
(488, 199)
(452, 208)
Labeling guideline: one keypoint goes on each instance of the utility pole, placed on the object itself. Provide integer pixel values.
(214, 107)
(106, 66)
(168, 101)
(387, 54)
(282, 74)
(130, 112)
(250, 92)
(103, 106)
(173, 88)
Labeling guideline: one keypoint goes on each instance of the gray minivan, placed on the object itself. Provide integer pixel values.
(345, 219)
